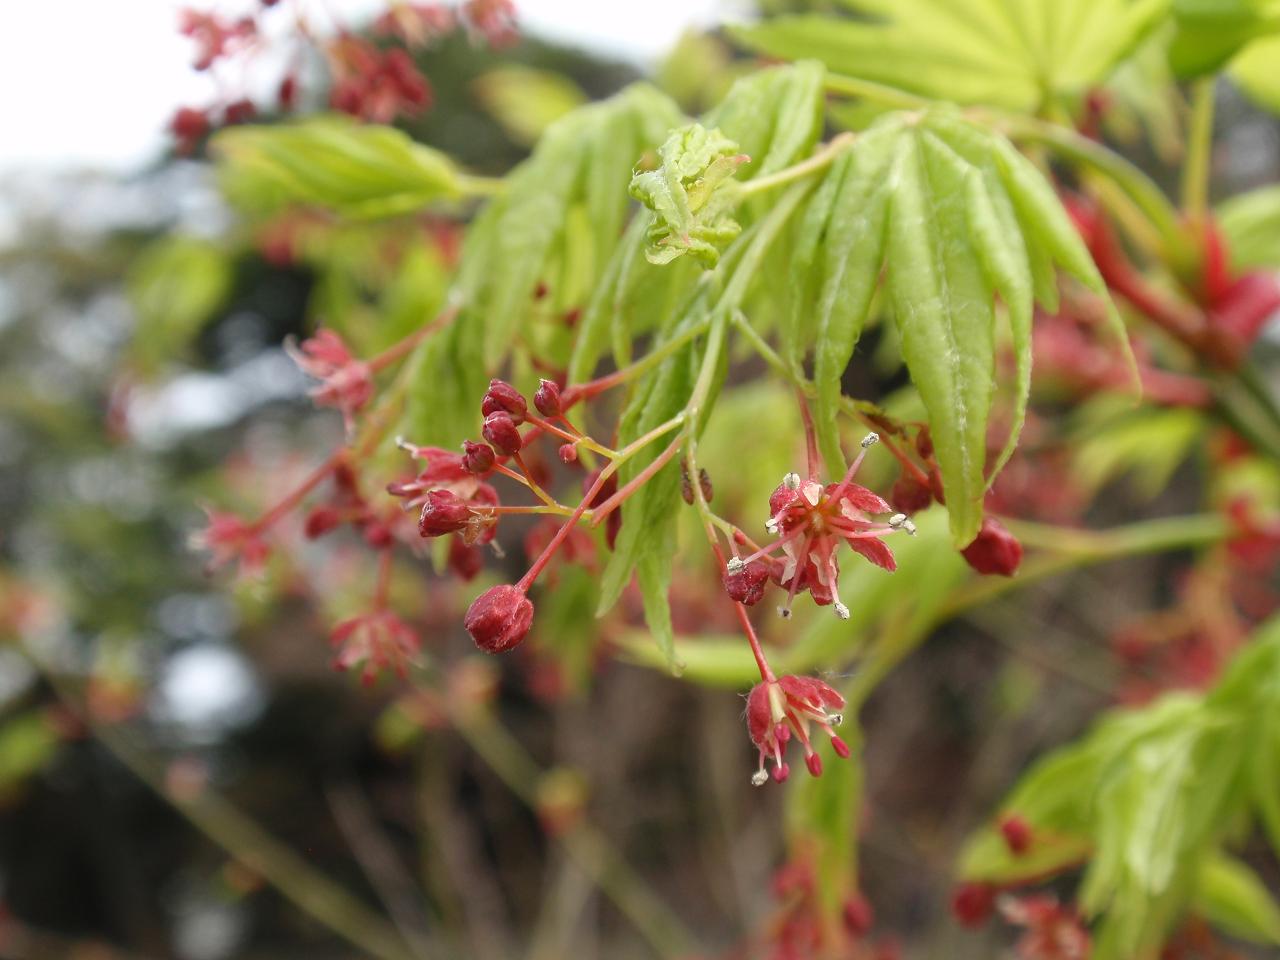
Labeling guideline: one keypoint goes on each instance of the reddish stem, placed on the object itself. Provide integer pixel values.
(296, 496)
(398, 350)
(384, 580)
(615, 501)
(548, 552)
(810, 438)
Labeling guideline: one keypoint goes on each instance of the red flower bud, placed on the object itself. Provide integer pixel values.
(443, 512)
(569, 453)
(499, 618)
(378, 534)
(477, 457)
(502, 397)
(320, 521)
(858, 915)
(909, 495)
(500, 430)
(464, 562)
(1017, 834)
(995, 550)
(547, 399)
(972, 903)
(746, 584)
(924, 444)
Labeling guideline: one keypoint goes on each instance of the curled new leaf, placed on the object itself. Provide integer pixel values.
(688, 197)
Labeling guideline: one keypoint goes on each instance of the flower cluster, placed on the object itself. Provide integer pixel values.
(779, 708)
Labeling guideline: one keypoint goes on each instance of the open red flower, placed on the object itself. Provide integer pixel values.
(379, 640)
(777, 709)
(230, 538)
(345, 382)
(1053, 932)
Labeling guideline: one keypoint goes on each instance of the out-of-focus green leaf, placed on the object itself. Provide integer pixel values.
(1256, 73)
(525, 101)
(1251, 223)
(1235, 900)
(1211, 32)
(691, 210)
(1020, 55)
(27, 742)
(175, 286)
(331, 162)
(1144, 102)
(1148, 443)
(697, 71)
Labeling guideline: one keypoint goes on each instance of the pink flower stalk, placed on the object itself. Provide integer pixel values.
(229, 538)
(345, 382)
(811, 521)
(379, 640)
(777, 709)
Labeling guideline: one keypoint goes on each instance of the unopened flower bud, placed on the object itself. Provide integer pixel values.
(1017, 834)
(972, 903)
(501, 431)
(547, 398)
(443, 512)
(994, 551)
(499, 618)
(746, 583)
(910, 495)
(477, 458)
(569, 453)
(320, 521)
(503, 397)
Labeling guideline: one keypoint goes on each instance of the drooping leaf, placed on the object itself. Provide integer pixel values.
(1251, 224)
(1235, 900)
(332, 162)
(525, 101)
(175, 286)
(1211, 32)
(1254, 69)
(1021, 55)
(690, 195)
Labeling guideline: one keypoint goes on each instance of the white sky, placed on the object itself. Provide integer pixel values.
(92, 83)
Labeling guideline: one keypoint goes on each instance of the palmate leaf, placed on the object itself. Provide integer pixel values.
(1150, 796)
(1251, 223)
(1018, 54)
(956, 218)
(1211, 32)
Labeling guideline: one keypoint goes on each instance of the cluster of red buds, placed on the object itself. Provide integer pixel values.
(368, 80)
(799, 931)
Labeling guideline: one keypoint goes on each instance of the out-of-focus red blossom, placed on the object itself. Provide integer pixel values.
(1238, 305)
(465, 562)
(189, 126)
(577, 547)
(417, 24)
(214, 36)
(239, 111)
(378, 640)
(228, 538)
(373, 84)
(287, 93)
(346, 383)
(1053, 931)
(499, 618)
(777, 709)
(1017, 834)
(973, 903)
(994, 551)
(494, 20)
(1255, 542)
(909, 495)
(858, 915)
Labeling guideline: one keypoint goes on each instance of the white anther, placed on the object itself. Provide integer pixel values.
(784, 613)
(870, 440)
(835, 719)
(909, 527)
(759, 778)
(735, 564)
(771, 525)
(897, 520)
(791, 481)
(841, 610)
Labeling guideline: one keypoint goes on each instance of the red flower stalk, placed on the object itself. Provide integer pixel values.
(777, 709)
(812, 520)
(229, 538)
(379, 640)
(994, 551)
(346, 383)
(499, 618)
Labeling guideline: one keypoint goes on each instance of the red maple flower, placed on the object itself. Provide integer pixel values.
(1054, 932)
(345, 382)
(778, 708)
(230, 538)
(452, 498)
(811, 521)
(379, 640)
